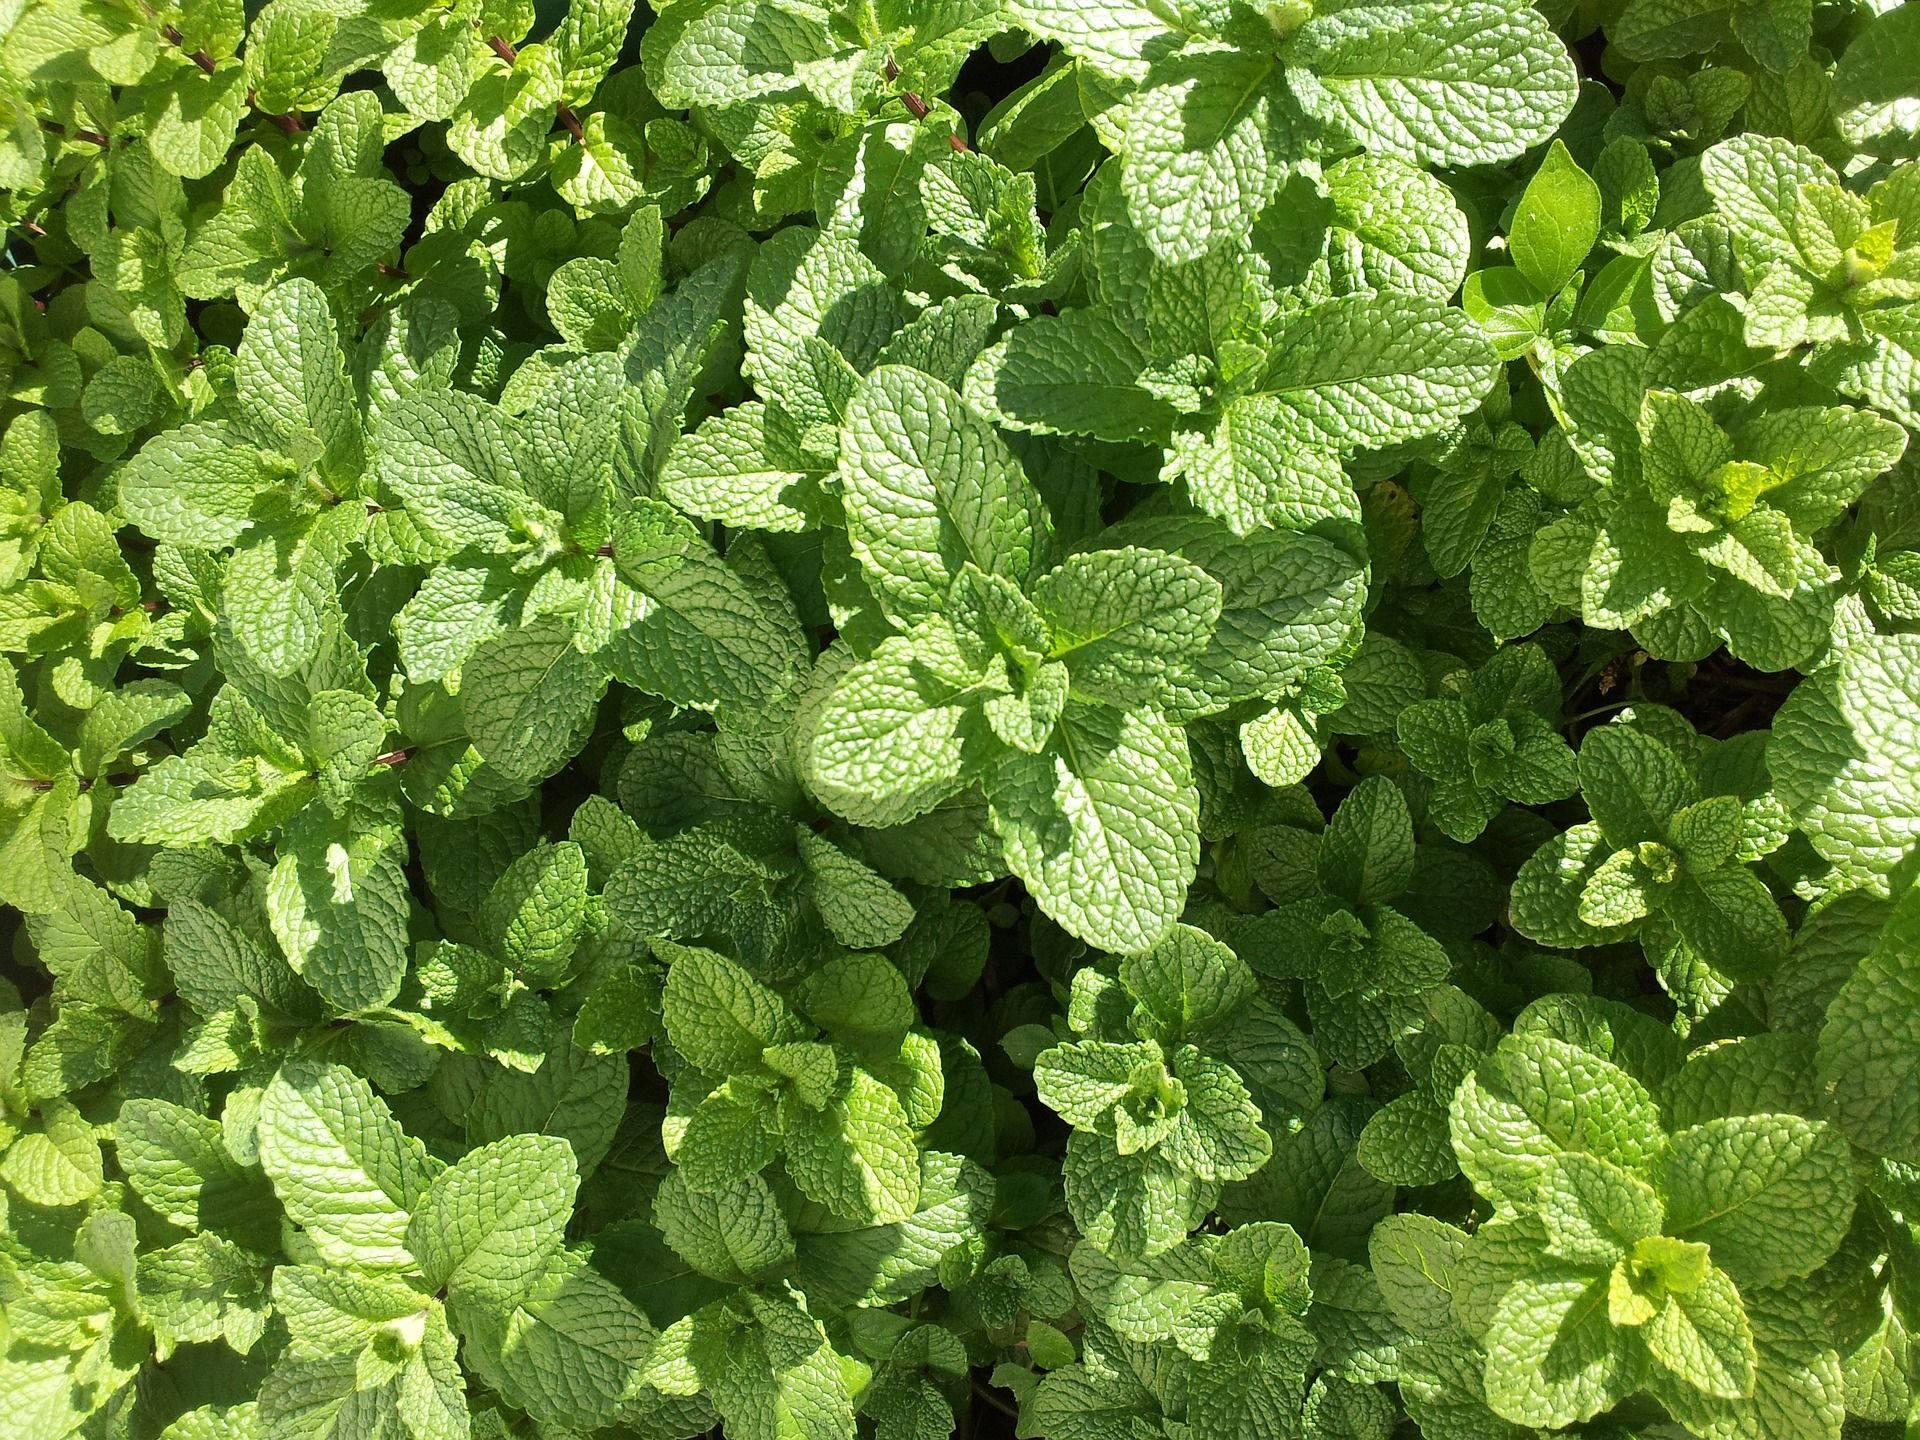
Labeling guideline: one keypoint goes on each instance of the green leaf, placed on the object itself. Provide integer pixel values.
(1078, 373)
(537, 909)
(890, 742)
(293, 383)
(338, 899)
(860, 908)
(529, 696)
(1553, 1357)
(1841, 742)
(885, 1264)
(735, 1234)
(1746, 1186)
(56, 1164)
(344, 1170)
(929, 486)
(1870, 1045)
(727, 53)
(1593, 1210)
(489, 1223)
(1129, 1205)
(1366, 371)
(1189, 983)
(1755, 182)
(1402, 227)
(1535, 1098)
(1367, 852)
(742, 469)
(1084, 1080)
(569, 1351)
(719, 1016)
(178, 1162)
(1435, 84)
(1870, 96)
(1702, 1336)
(1200, 142)
(1102, 825)
(856, 1154)
(1557, 221)
(1632, 784)
(448, 456)
(1217, 1134)
(1127, 622)
(198, 485)
(672, 618)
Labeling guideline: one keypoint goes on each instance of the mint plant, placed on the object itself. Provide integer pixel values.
(850, 720)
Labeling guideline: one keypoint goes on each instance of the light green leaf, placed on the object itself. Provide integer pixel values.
(1127, 622)
(672, 618)
(339, 900)
(929, 486)
(529, 697)
(1843, 746)
(1433, 83)
(1199, 148)
(1553, 1358)
(1557, 221)
(489, 1223)
(1771, 1194)
(718, 1015)
(1103, 824)
(856, 1155)
(1870, 1046)
(341, 1165)
(1534, 1098)
(1366, 371)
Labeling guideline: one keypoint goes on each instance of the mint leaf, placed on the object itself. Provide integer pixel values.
(1102, 824)
(488, 1223)
(345, 1171)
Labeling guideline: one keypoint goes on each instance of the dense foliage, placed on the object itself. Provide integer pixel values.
(1091, 719)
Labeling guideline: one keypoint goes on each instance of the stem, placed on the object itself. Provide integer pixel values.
(394, 757)
(289, 123)
(572, 122)
(1606, 709)
(91, 137)
(985, 1392)
(199, 57)
(504, 50)
(1734, 718)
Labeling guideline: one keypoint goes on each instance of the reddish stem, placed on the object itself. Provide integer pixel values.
(90, 137)
(199, 57)
(572, 122)
(289, 123)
